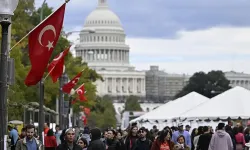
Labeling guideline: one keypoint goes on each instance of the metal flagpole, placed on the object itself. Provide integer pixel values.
(41, 95)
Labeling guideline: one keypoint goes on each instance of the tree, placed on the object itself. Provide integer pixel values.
(27, 17)
(132, 104)
(103, 113)
(204, 84)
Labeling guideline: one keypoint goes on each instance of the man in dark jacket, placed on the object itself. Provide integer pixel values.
(143, 143)
(69, 143)
(204, 139)
(96, 143)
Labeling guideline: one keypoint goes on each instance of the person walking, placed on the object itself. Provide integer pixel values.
(29, 142)
(221, 140)
(69, 143)
(50, 141)
(181, 131)
(96, 143)
(163, 141)
(13, 136)
(143, 143)
(204, 139)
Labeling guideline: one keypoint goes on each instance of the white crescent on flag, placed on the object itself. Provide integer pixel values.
(79, 92)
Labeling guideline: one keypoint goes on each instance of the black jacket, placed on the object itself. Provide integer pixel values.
(113, 145)
(96, 143)
(64, 146)
(204, 140)
(143, 145)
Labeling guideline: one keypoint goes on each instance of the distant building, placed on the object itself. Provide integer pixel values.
(238, 79)
(161, 86)
(105, 50)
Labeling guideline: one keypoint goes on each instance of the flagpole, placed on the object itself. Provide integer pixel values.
(41, 21)
(49, 73)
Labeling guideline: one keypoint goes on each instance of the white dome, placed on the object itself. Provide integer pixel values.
(102, 16)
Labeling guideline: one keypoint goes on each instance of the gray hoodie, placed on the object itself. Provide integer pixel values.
(221, 140)
(87, 137)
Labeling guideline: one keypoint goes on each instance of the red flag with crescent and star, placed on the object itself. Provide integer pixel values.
(81, 93)
(42, 41)
(56, 67)
(71, 84)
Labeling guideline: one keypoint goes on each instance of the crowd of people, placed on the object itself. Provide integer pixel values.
(225, 137)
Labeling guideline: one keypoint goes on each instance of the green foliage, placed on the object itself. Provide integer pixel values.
(204, 84)
(132, 104)
(102, 114)
(26, 18)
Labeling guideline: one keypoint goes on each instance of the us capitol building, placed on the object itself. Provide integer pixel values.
(106, 52)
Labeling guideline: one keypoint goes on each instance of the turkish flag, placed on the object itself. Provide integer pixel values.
(42, 41)
(81, 93)
(71, 84)
(73, 101)
(86, 111)
(56, 67)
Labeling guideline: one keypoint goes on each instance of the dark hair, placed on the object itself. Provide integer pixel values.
(84, 141)
(113, 131)
(86, 130)
(163, 134)
(221, 126)
(200, 130)
(181, 136)
(50, 133)
(62, 136)
(246, 131)
(48, 124)
(228, 128)
(23, 130)
(130, 131)
(57, 126)
(241, 129)
(30, 126)
(205, 128)
(235, 130)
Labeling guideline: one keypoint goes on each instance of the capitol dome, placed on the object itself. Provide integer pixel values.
(102, 16)
(105, 48)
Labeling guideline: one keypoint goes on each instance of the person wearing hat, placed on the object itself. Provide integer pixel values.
(181, 131)
(69, 143)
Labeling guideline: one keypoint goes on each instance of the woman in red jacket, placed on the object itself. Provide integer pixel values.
(50, 141)
(163, 142)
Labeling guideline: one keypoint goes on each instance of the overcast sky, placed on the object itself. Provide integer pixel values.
(181, 36)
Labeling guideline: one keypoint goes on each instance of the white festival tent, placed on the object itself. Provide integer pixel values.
(233, 103)
(174, 108)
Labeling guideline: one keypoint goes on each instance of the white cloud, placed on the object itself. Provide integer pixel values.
(217, 42)
(212, 41)
(184, 54)
(72, 3)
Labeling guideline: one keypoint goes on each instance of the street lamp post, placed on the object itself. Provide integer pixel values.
(62, 80)
(7, 7)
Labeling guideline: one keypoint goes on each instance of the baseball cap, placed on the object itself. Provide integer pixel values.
(180, 124)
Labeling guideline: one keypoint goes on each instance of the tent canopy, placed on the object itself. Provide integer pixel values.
(233, 103)
(175, 108)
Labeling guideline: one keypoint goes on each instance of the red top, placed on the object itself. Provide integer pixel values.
(240, 139)
(164, 146)
(50, 141)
